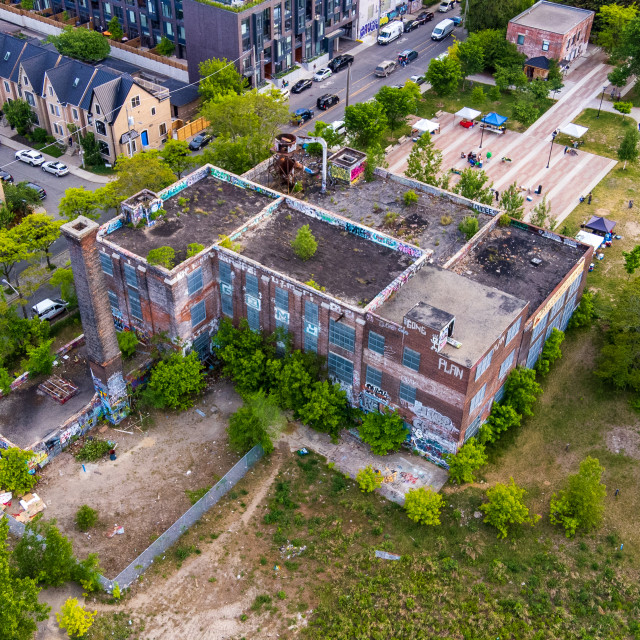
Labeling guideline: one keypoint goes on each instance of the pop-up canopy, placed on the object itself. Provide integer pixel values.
(589, 238)
(468, 113)
(494, 119)
(603, 225)
(426, 125)
(574, 130)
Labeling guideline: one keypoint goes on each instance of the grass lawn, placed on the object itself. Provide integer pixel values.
(101, 170)
(431, 103)
(633, 96)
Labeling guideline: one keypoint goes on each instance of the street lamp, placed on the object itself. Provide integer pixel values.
(601, 99)
(481, 134)
(5, 281)
(553, 137)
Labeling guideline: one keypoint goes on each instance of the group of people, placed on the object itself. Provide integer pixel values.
(474, 159)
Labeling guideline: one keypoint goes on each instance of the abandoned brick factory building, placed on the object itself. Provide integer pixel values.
(417, 319)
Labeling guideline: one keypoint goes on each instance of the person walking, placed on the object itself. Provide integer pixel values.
(589, 198)
(566, 149)
(497, 195)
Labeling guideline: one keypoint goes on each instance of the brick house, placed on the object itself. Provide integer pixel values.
(432, 341)
(551, 30)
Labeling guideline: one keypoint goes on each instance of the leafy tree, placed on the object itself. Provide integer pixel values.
(629, 49)
(375, 159)
(164, 256)
(510, 76)
(326, 409)
(258, 421)
(631, 260)
(471, 56)
(619, 361)
(86, 517)
(20, 199)
(524, 111)
(423, 506)
(619, 76)
(75, 619)
(581, 504)
(613, 19)
(219, 77)
(165, 47)
(21, 610)
(14, 472)
(177, 157)
(469, 226)
(469, 458)
(484, 14)
(506, 507)
(368, 480)
(5, 383)
(114, 28)
(512, 202)
(365, 123)
(41, 231)
(63, 278)
(127, 341)
(91, 149)
(398, 103)
(541, 213)
(521, 390)
(174, 381)
(502, 418)
(78, 201)
(477, 95)
(291, 379)
(328, 133)
(472, 185)
(383, 432)
(550, 352)
(628, 149)
(304, 245)
(19, 115)
(13, 249)
(583, 315)
(424, 161)
(194, 249)
(17, 333)
(554, 77)
(623, 107)
(444, 75)
(498, 51)
(40, 359)
(81, 44)
(539, 89)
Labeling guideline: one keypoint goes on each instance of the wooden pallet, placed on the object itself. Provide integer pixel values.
(58, 388)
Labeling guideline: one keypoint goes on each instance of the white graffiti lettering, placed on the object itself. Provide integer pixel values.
(450, 368)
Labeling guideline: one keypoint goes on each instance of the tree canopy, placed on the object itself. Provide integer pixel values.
(444, 75)
(19, 115)
(487, 14)
(613, 19)
(424, 161)
(218, 77)
(365, 123)
(177, 156)
(78, 201)
(82, 44)
(398, 103)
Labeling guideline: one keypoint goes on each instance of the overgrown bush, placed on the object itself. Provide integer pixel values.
(326, 409)
(304, 245)
(505, 507)
(258, 421)
(423, 506)
(163, 256)
(383, 432)
(127, 341)
(550, 352)
(623, 107)
(86, 517)
(368, 480)
(410, 197)
(502, 418)
(14, 472)
(194, 249)
(583, 315)
(40, 359)
(522, 390)
(93, 450)
(470, 457)
(75, 619)
(468, 226)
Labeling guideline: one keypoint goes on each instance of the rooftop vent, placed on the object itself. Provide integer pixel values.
(76, 82)
(348, 158)
(536, 262)
(7, 55)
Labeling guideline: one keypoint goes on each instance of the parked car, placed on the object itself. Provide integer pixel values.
(300, 116)
(48, 309)
(340, 62)
(199, 141)
(457, 20)
(410, 25)
(301, 85)
(425, 16)
(390, 32)
(446, 5)
(338, 127)
(407, 56)
(327, 101)
(417, 79)
(34, 158)
(322, 74)
(57, 168)
(443, 29)
(5, 176)
(42, 194)
(385, 68)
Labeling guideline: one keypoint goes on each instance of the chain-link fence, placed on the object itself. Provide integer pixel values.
(185, 522)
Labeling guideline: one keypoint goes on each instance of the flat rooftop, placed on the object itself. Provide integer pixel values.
(350, 268)
(548, 16)
(200, 213)
(502, 259)
(481, 313)
(431, 223)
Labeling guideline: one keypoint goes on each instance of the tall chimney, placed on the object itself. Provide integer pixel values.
(103, 351)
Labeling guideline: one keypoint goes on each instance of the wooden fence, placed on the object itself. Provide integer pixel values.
(191, 128)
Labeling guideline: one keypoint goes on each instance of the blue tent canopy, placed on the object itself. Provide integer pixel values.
(494, 119)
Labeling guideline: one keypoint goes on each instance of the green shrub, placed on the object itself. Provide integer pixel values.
(368, 480)
(550, 352)
(477, 95)
(38, 135)
(194, 249)
(14, 472)
(410, 197)
(86, 517)
(469, 226)
(326, 409)
(383, 432)
(623, 107)
(75, 619)
(504, 220)
(39, 359)
(256, 422)
(521, 391)
(93, 450)
(163, 256)
(304, 245)
(494, 94)
(583, 315)
(470, 457)
(127, 341)
(423, 506)
(506, 507)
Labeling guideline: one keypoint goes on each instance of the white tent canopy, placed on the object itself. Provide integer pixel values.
(426, 125)
(469, 114)
(589, 238)
(574, 130)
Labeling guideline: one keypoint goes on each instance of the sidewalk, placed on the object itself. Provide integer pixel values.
(608, 106)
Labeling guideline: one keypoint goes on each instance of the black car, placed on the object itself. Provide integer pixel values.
(425, 16)
(410, 25)
(327, 100)
(301, 85)
(300, 116)
(407, 56)
(42, 194)
(340, 62)
(5, 176)
(199, 141)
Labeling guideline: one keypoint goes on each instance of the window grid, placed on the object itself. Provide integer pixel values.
(342, 335)
(472, 429)
(253, 317)
(407, 393)
(506, 364)
(513, 331)
(113, 301)
(198, 313)
(411, 359)
(374, 377)
(194, 281)
(134, 303)
(202, 346)
(227, 305)
(485, 363)
(575, 285)
(251, 284)
(499, 394)
(534, 352)
(310, 343)
(107, 265)
(224, 270)
(376, 342)
(340, 368)
(311, 312)
(282, 299)
(554, 325)
(540, 327)
(557, 306)
(476, 401)
(130, 276)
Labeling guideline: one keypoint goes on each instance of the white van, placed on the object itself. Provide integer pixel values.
(446, 5)
(443, 29)
(49, 309)
(390, 32)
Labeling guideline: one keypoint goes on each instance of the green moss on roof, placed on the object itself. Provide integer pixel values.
(228, 7)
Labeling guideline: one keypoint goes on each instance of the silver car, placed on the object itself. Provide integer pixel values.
(57, 168)
(30, 156)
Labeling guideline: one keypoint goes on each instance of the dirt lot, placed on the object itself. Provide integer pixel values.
(144, 489)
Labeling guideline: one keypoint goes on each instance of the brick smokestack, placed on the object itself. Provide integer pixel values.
(103, 352)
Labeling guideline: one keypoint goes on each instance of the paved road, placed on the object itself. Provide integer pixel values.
(364, 84)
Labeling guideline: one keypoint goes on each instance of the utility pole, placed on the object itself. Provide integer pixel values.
(379, 14)
(348, 83)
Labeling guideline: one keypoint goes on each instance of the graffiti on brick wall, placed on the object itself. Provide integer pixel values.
(391, 288)
(113, 225)
(377, 392)
(236, 181)
(113, 397)
(432, 434)
(450, 368)
(187, 181)
(265, 213)
(483, 208)
(347, 388)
